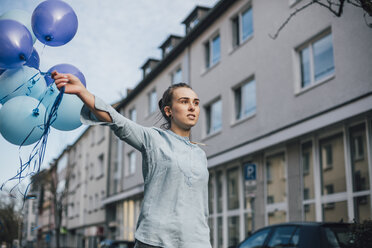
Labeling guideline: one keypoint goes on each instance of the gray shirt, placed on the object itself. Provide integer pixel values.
(174, 210)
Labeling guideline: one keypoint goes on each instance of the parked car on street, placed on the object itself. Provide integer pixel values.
(116, 244)
(301, 235)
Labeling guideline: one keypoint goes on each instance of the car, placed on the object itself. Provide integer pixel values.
(116, 244)
(301, 235)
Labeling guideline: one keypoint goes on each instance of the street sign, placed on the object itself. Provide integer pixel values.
(250, 173)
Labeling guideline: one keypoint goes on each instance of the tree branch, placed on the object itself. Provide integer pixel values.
(289, 18)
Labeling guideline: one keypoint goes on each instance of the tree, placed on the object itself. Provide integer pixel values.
(9, 219)
(336, 7)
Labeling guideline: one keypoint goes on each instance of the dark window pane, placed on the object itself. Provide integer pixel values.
(305, 67)
(282, 236)
(235, 31)
(256, 240)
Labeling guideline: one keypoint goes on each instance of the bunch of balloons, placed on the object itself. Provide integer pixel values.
(27, 95)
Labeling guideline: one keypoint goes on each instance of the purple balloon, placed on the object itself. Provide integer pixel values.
(54, 22)
(15, 44)
(34, 60)
(64, 68)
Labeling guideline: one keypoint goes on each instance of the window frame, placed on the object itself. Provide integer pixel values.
(174, 73)
(208, 119)
(237, 31)
(299, 89)
(151, 109)
(235, 120)
(208, 51)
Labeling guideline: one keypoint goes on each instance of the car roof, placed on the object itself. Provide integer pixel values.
(307, 223)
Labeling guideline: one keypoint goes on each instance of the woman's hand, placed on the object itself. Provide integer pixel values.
(72, 84)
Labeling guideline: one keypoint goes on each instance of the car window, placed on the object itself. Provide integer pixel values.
(295, 238)
(338, 236)
(122, 246)
(283, 237)
(256, 240)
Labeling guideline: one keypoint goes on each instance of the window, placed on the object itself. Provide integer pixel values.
(133, 114)
(219, 233)
(132, 163)
(212, 51)
(147, 70)
(96, 201)
(242, 27)
(359, 162)
(276, 187)
(245, 100)
(152, 101)
(100, 165)
(214, 117)
(282, 237)
(90, 207)
(233, 230)
(211, 193)
(332, 164)
(194, 22)
(219, 191)
(168, 48)
(307, 170)
(317, 61)
(233, 189)
(177, 76)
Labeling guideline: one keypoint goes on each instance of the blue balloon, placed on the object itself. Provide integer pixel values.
(1, 71)
(68, 113)
(15, 44)
(34, 60)
(22, 17)
(25, 81)
(22, 117)
(65, 68)
(54, 22)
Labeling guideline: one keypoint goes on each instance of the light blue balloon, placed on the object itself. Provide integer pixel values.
(22, 17)
(34, 84)
(68, 113)
(17, 120)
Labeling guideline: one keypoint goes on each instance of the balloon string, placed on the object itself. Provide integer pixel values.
(37, 154)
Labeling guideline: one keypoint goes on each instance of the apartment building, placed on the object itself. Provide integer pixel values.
(87, 187)
(30, 218)
(286, 122)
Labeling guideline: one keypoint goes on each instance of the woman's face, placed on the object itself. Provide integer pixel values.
(185, 108)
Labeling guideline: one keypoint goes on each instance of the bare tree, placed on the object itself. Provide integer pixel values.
(336, 7)
(9, 219)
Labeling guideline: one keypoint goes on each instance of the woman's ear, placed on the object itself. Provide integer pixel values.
(168, 111)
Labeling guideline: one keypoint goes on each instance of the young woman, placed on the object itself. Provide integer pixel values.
(174, 210)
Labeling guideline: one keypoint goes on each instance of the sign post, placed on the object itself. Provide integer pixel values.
(250, 176)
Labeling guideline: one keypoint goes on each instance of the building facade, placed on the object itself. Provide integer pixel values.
(87, 187)
(286, 122)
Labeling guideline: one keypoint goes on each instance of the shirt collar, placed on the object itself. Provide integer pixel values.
(178, 136)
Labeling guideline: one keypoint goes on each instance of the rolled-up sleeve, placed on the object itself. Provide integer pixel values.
(127, 130)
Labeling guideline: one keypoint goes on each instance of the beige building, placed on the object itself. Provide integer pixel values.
(296, 109)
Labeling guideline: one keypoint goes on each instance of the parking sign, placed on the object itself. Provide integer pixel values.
(250, 172)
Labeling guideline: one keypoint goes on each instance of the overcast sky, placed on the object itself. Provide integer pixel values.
(114, 39)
